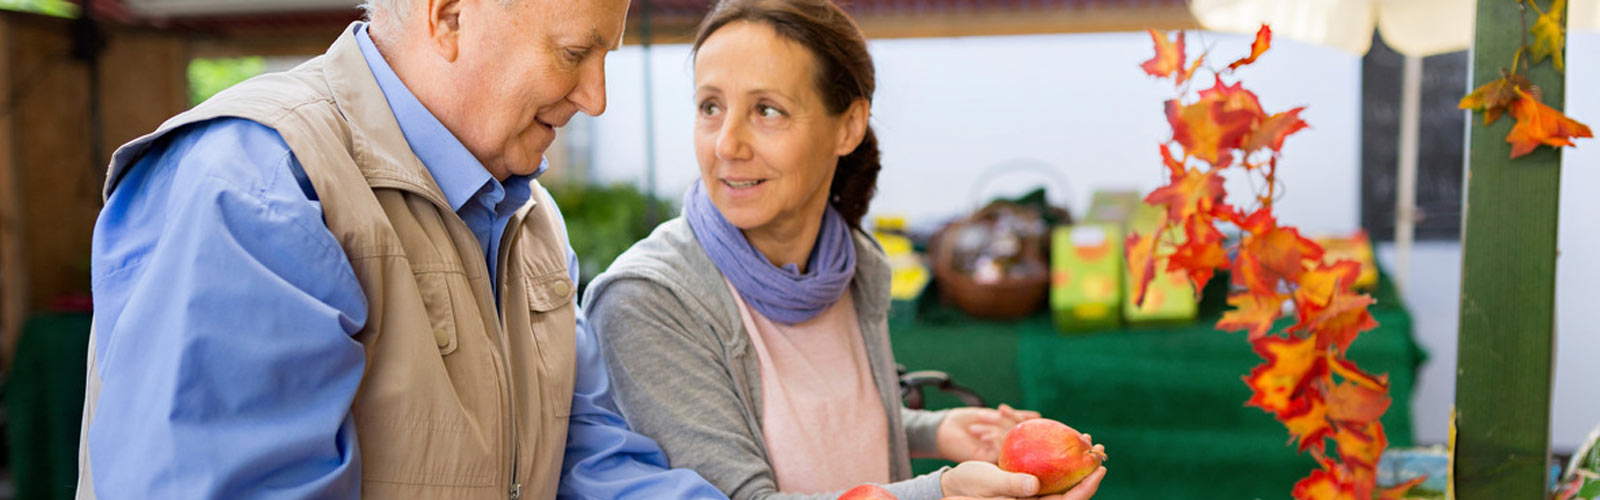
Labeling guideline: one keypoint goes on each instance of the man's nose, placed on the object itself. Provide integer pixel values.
(590, 93)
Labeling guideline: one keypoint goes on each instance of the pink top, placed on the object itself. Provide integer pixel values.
(821, 415)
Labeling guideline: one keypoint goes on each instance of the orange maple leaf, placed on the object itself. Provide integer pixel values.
(1348, 370)
(1270, 132)
(1251, 312)
(1195, 192)
(1269, 253)
(1258, 47)
(1291, 365)
(1307, 421)
(1495, 97)
(1539, 124)
(1169, 56)
(1323, 484)
(1141, 250)
(1326, 305)
(1201, 252)
(1398, 492)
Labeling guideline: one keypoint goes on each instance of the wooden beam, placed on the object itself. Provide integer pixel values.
(1508, 277)
(681, 29)
(308, 42)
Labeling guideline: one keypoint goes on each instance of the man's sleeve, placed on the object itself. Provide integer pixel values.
(225, 310)
(604, 459)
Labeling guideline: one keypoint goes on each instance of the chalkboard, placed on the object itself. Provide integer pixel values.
(1440, 150)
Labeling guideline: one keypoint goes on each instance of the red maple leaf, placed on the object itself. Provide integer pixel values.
(1211, 127)
(1356, 403)
(1361, 446)
(1169, 56)
(1270, 253)
(1292, 364)
(1307, 421)
(1175, 168)
(1539, 124)
(1258, 47)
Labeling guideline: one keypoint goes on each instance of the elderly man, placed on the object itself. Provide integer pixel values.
(343, 280)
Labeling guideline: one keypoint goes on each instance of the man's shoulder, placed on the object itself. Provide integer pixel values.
(229, 154)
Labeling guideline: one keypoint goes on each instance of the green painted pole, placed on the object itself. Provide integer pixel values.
(1508, 273)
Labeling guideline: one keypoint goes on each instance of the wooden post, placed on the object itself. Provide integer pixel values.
(13, 265)
(1508, 277)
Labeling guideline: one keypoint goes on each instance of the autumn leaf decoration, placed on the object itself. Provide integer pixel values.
(1305, 380)
(1537, 124)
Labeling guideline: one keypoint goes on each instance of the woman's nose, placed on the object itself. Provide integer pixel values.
(731, 141)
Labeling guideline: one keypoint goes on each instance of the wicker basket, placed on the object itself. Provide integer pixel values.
(1006, 298)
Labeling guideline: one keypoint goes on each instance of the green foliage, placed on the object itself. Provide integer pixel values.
(603, 221)
(58, 8)
(209, 76)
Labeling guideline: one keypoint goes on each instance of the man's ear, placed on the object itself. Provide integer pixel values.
(855, 126)
(444, 27)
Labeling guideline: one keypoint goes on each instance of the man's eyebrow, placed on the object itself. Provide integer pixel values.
(598, 41)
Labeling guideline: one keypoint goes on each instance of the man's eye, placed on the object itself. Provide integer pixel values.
(576, 54)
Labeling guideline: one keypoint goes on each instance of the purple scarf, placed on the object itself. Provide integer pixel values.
(784, 295)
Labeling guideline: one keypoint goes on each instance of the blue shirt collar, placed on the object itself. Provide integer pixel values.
(458, 173)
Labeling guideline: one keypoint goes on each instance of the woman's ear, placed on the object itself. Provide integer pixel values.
(855, 126)
(444, 27)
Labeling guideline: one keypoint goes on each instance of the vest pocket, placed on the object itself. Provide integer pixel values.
(435, 288)
(549, 291)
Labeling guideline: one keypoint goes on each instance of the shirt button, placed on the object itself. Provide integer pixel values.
(561, 288)
(441, 337)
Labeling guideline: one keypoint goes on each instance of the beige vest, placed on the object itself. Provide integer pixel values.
(459, 399)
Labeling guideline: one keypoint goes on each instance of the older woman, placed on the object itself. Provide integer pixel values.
(749, 336)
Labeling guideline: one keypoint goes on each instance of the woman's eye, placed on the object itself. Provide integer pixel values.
(768, 111)
(709, 108)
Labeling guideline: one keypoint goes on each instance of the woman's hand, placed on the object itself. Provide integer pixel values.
(1083, 491)
(986, 480)
(977, 433)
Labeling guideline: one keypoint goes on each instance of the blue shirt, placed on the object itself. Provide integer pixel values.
(225, 309)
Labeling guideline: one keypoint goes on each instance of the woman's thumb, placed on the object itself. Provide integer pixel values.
(1014, 485)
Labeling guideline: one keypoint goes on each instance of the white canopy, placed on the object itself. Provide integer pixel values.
(1412, 27)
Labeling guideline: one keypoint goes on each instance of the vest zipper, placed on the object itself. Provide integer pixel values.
(513, 228)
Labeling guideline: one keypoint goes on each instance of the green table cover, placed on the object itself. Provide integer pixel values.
(44, 405)
(1167, 402)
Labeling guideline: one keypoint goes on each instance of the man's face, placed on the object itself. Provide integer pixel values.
(524, 70)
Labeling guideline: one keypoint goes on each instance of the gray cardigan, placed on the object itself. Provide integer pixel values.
(684, 373)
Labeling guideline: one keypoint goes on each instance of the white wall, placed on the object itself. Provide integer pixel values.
(952, 112)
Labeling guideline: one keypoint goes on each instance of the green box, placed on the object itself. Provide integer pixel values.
(1086, 268)
(1114, 207)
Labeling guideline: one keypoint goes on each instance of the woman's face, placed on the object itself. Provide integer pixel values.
(766, 143)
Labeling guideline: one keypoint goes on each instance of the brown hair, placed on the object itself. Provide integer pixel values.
(844, 74)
